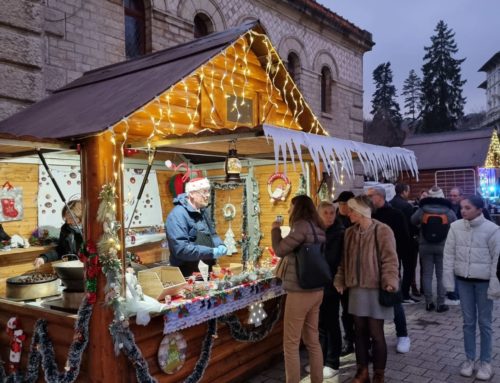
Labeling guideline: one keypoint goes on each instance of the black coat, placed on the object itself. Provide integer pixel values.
(396, 220)
(407, 209)
(334, 245)
(70, 242)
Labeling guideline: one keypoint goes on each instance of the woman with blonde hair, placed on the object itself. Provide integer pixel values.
(369, 263)
(302, 306)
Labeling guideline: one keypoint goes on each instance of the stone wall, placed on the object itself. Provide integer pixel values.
(47, 43)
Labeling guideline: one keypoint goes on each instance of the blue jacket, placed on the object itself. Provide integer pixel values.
(182, 226)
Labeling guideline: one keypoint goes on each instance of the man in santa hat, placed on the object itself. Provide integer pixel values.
(190, 232)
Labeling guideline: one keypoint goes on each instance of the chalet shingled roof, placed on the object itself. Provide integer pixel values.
(450, 149)
(102, 97)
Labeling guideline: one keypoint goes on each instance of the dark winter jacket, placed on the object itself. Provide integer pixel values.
(182, 227)
(396, 220)
(406, 208)
(498, 269)
(344, 219)
(435, 206)
(70, 242)
(333, 245)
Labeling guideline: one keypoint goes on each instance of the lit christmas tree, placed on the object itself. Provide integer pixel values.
(493, 157)
(257, 314)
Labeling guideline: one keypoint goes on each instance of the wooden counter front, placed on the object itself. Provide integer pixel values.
(60, 329)
(230, 361)
(18, 261)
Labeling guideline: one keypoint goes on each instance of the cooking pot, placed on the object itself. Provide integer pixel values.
(32, 286)
(71, 274)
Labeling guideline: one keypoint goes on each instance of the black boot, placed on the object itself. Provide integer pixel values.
(3, 235)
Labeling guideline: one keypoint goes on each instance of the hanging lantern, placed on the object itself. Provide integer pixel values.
(233, 164)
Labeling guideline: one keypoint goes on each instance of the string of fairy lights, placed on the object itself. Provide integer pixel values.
(226, 74)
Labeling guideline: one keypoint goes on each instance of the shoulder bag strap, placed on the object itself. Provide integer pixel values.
(314, 232)
(378, 253)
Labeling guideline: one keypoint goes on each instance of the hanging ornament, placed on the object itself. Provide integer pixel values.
(323, 192)
(281, 191)
(302, 189)
(230, 242)
(257, 314)
(229, 211)
(172, 353)
(16, 343)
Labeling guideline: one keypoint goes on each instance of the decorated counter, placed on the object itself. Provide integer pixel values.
(225, 108)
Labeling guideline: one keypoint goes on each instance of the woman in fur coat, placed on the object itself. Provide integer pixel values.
(369, 262)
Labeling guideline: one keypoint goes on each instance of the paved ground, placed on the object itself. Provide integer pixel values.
(435, 356)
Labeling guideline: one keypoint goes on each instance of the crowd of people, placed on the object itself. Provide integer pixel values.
(373, 245)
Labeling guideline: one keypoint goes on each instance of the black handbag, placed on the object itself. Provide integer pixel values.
(313, 271)
(386, 298)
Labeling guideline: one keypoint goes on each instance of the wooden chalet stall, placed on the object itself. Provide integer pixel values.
(453, 159)
(188, 102)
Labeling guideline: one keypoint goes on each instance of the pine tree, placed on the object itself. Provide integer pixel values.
(412, 90)
(383, 100)
(442, 101)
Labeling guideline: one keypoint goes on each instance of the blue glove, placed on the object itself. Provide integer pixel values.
(219, 251)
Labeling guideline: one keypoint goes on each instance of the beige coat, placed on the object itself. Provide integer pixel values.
(300, 233)
(359, 266)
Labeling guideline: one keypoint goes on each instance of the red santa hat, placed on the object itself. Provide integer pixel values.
(197, 184)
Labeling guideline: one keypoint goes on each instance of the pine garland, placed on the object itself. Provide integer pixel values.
(42, 352)
(109, 247)
(206, 351)
(244, 334)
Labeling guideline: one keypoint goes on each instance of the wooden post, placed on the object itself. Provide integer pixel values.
(97, 170)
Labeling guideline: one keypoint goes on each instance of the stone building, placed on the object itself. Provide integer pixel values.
(45, 44)
(492, 87)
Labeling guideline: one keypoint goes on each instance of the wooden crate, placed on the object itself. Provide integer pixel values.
(153, 280)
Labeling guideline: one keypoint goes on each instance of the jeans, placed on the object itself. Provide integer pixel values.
(330, 335)
(432, 257)
(301, 321)
(409, 262)
(453, 295)
(476, 307)
(400, 320)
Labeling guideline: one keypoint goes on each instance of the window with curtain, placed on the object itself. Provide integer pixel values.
(203, 26)
(326, 90)
(135, 28)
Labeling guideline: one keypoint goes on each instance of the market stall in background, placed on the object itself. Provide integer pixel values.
(125, 139)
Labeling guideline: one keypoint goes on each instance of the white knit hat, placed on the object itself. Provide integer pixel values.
(436, 192)
(197, 184)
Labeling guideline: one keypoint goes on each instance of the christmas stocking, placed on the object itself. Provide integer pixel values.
(9, 208)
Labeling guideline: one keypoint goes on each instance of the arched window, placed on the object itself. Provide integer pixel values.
(135, 28)
(203, 26)
(326, 90)
(293, 66)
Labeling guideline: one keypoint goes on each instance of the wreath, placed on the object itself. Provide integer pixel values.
(279, 193)
(229, 211)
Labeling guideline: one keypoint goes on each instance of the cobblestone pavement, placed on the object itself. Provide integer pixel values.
(436, 352)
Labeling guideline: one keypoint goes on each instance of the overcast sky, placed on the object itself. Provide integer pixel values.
(401, 29)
